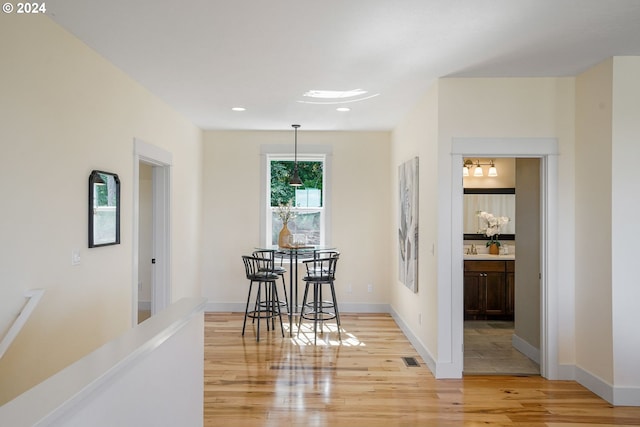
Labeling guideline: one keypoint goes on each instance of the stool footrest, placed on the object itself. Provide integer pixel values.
(320, 316)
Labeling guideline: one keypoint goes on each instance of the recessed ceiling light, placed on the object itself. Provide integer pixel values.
(343, 109)
(238, 109)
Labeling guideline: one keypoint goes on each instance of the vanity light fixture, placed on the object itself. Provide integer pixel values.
(295, 180)
(478, 172)
(492, 170)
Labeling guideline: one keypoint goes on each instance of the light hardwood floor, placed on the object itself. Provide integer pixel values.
(363, 381)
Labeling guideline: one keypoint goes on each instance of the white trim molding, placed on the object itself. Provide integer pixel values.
(33, 297)
(450, 247)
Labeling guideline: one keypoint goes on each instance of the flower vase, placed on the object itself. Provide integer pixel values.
(494, 249)
(283, 238)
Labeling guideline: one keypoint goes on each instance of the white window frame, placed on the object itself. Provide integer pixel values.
(305, 153)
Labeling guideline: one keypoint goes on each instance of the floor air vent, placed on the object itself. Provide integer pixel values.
(410, 362)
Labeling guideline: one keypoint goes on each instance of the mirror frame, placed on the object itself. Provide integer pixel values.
(488, 191)
(112, 224)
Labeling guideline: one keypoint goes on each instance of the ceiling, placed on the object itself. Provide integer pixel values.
(204, 57)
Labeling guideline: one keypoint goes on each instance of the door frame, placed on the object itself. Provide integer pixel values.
(450, 322)
(161, 162)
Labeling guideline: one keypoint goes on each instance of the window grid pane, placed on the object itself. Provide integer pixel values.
(306, 201)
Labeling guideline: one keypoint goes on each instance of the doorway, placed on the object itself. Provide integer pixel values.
(151, 242)
(450, 261)
(502, 323)
(145, 241)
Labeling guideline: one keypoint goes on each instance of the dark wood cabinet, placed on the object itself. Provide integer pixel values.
(488, 290)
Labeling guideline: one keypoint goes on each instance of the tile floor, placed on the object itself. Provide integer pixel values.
(488, 350)
(143, 315)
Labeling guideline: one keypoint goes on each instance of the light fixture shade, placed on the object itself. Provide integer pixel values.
(493, 171)
(478, 171)
(295, 180)
(465, 171)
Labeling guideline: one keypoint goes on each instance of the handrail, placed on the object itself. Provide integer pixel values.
(33, 296)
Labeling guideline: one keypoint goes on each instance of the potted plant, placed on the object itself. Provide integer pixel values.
(285, 214)
(492, 230)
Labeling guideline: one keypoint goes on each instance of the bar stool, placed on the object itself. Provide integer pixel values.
(269, 255)
(266, 305)
(320, 271)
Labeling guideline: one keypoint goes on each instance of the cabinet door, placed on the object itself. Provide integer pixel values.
(473, 295)
(496, 294)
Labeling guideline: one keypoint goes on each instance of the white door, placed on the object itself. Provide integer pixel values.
(146, 155)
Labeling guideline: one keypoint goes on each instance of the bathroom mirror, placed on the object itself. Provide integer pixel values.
(497, 201)
(104, 209)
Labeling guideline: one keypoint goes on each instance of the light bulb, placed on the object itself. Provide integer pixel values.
(478, 171)
(493, 171)
(465, 171)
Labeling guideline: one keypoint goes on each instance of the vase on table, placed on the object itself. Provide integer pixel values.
(494, 248)
(284, 236)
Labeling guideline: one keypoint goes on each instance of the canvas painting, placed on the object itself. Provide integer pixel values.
(408, 224)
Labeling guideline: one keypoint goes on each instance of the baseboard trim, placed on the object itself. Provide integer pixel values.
(525, 348)
(234, 307)
(626, 396)
(415, 341)
(618, 396)
(595, 384)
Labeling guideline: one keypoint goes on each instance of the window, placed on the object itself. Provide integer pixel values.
(308, 201)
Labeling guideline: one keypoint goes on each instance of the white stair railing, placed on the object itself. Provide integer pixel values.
(33, 297)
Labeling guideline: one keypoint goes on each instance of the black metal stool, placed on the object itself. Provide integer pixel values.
(269, 255)
(320, 271)
(260, 271)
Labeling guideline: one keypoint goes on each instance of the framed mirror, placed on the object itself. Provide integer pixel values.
(498, 201)
(104, 209)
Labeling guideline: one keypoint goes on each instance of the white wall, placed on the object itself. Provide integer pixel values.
(359, 214)
(594, 352)
(527, 276)
(625, 227)
(67, 111)
(500, 108)
(418, 312)
(514, 108)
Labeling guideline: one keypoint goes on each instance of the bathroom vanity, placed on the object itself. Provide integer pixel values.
(489, 282)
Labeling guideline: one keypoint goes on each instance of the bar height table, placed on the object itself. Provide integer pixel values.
(294, 253)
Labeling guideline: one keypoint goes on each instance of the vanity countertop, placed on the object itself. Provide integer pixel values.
(489, 257)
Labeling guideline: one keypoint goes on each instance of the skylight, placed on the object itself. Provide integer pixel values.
(333, 94)
(328, 97)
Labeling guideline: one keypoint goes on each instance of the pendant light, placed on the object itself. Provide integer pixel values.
(295, 180)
